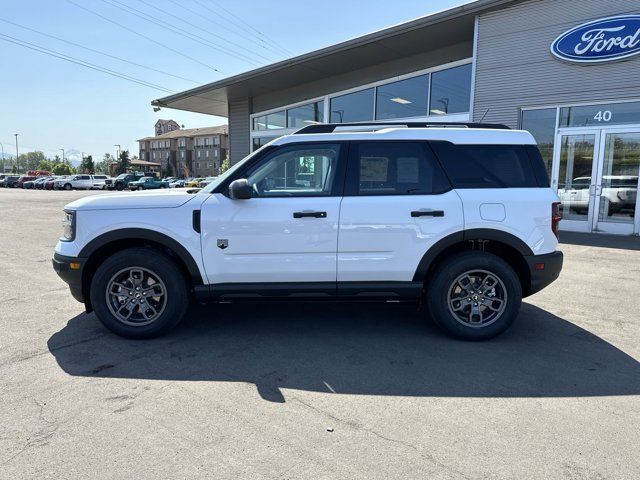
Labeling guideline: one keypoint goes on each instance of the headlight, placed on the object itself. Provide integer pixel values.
(69, 226)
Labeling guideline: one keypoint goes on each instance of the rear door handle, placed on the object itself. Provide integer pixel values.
(427, 213)
(310, 214)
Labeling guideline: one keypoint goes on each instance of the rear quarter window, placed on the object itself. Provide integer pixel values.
(489, 166)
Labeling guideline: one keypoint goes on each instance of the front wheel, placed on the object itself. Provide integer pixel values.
(474, 295)
(67, 186)
(139, 293)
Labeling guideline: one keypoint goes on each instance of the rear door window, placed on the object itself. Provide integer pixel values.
(487, 166)
(394, 168)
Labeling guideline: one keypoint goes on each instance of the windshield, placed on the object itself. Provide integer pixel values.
(121, 176)
(220, 179)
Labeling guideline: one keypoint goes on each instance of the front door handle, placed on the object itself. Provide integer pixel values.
(310, 214)
(427, 213)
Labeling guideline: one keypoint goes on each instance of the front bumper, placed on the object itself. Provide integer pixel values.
(71, 276)
(544, 269)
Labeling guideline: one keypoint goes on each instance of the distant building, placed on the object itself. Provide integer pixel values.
(195, 152)
(166, 126)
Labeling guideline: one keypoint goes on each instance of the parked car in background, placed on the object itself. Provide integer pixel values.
(49, 184)
(38, 183)
(148, 183)
(195, 182)
(77, 182)
(9, 181)
(99, 182)
(28, 185)
(21, 181)
(122, 181)
(177, 183)
(206, 182)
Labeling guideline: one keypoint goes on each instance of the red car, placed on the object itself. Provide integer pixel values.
(48, 185)
(22, 179)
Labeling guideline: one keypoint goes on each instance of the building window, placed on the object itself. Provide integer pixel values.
(352, 107)
(304, 115)
(206, 153)
(182, 154)
(542, 125)
(451, 90)
(403, 99)
(199, 152)
(215, 153)
(261, 141)
(210, 165)
(216, 140)
(206, 142)
(154, 155)
(602, 114)
(271, 121)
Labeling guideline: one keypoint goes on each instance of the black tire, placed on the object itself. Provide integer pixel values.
(119, 187)
(443, 284)
(67, 186)
(176, 299)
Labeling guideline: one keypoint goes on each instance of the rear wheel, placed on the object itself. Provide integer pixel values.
(474, 295)
(139, 293)
(67, 186)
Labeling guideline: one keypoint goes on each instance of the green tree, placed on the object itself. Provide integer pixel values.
(87, 165)
(124, 163)
(46, 164)
(63, 168)
(31, 160)
(224, 166)
(14, 169)
(104, 166)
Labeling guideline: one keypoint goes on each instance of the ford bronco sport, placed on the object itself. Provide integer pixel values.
(459, 217)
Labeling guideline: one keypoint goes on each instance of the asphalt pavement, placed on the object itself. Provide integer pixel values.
(297, 391)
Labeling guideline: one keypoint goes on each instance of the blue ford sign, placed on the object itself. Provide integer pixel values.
(604, 40)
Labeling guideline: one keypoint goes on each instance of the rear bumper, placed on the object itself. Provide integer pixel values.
(544, 269)
(71, 276)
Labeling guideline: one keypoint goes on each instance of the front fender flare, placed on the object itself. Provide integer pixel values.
(145, 234)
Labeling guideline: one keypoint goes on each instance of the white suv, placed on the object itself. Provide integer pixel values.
(78, 182)
(460, 217)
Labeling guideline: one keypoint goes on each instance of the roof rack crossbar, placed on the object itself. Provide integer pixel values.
(331, 127)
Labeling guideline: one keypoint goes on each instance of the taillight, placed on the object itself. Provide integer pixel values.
(556, 216)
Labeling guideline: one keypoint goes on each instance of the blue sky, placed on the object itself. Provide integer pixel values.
(55, 104)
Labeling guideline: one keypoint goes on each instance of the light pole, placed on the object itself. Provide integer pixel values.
(1, 145)
(17, 164)
(118, 157)
(62, 150)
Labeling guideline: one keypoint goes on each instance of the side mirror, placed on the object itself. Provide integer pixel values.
(240, 189)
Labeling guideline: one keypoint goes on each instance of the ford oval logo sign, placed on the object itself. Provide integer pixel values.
(604, 40)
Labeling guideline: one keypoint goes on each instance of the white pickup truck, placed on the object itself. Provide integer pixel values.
(80, 182)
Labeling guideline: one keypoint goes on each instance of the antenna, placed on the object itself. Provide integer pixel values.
(485, 114)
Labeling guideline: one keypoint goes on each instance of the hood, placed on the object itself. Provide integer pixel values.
(129, 200)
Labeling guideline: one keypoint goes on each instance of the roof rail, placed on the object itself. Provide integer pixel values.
(331, 127)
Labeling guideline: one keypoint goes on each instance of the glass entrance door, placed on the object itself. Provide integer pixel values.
(596, 175)
(616, 191)
(573, 178)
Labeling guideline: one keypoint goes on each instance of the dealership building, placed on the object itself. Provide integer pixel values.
(566, 70)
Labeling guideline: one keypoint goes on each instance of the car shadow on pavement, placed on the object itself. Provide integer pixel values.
(368, 349)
